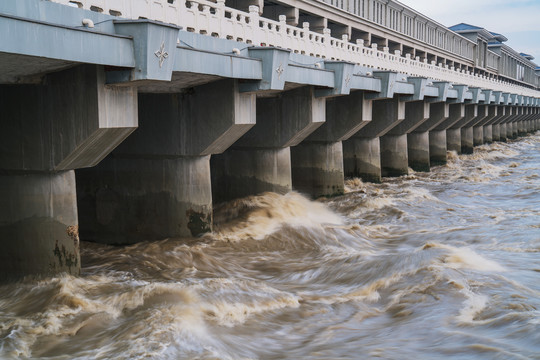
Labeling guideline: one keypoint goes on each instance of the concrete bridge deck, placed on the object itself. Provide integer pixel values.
(123, 130)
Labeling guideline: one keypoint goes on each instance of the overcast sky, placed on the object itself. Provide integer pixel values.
(518, 20)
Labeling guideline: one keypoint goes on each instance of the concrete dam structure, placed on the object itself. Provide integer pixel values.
(126, 121)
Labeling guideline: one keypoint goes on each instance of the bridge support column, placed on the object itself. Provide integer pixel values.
(485, 127)
(157, 183)
(503, 132)
(70, 121)
(451, 115)
(260, 161)
(453, 140)
(317, 168)
(400, 147)
(438, 113)
(362, 158)
(240, 172)
(39, 228)
(126, 200)
(419, 151)
(465, 130)
(437, 147)
(317, 162)
(496, 132)
(467, 142)
(487, 134)
(394, 159)
(478, 135)
(417, 142)
(362, 152)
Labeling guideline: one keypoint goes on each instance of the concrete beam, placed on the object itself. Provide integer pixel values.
(31, 40)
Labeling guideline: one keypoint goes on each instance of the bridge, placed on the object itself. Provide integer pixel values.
(126, 120)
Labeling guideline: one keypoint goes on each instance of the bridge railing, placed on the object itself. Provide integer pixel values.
(216, 19)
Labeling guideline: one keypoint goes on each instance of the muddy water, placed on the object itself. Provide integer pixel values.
(438, 265)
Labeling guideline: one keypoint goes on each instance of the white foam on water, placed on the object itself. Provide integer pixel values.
(265, 214)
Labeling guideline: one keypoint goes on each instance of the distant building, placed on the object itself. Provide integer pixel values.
(493, 57)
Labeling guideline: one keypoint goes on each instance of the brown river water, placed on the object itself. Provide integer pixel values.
(439, 265)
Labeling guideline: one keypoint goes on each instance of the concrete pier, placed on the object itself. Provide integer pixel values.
(456, 112)
(363, 152)
(260, 160)
(419, 151)
(240, 172)
(72, 121)
(39, 228)
(362, 158)
(317, 168)
(467, 144)
(157, 183)
(437, 147)
(416, 114)
(317, 162)
(467, 141)
(482, 130)
(436, 150)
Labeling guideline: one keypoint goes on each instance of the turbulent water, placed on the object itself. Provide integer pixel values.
(432, 265)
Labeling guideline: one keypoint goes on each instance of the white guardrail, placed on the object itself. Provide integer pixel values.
(215, 19)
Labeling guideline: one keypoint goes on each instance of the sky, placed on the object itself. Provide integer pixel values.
(518, 20)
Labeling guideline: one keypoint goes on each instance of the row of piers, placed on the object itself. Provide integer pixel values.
(142, 149)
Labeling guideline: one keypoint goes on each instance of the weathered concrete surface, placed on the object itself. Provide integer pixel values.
(456, 112)
(467, 144)
(362, 158)
(496, 132)
(438, 113)
(260, 160)
(203, 120)
(453, 140)
(240, 172)
(437, 147)
(285, 120)
(478, 135)
(38, 224)
(345, 116)
(127, 200)
(317, 168)
(387, 113)
(503, 132)
(72, 121)
(317, 162)
(418, 146)
(394, 161)
(487, 134)
(416, 113)
(157, 183)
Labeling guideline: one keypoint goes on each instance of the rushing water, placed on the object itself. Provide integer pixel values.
(432, 265)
